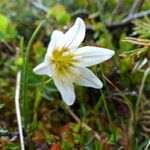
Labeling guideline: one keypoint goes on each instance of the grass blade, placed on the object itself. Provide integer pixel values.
(25, 75)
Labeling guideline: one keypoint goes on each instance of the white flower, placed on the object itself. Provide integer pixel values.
(66, 63)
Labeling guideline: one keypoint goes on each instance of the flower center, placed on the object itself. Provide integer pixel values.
(61, 61)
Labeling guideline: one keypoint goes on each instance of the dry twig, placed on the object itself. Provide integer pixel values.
(128, 19)
(84, 125)
(18, 113)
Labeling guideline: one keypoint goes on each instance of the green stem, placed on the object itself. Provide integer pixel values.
(106, 107)
(140, 92)
(25, 76)
(37, 102)
(130, 106)
(36, 107)
(82, 105)
(107, 111)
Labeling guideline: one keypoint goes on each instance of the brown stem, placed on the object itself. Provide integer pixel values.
(84, 125)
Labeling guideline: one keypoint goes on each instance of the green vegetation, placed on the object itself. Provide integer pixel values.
(115, 117)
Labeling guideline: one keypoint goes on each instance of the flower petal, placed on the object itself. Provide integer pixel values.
(89, 55)
(66, 89)
(75, 35)
(43, 69)
(87, 78)
(57, 42)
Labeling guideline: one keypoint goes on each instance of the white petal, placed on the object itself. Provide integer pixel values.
(87, 78)
(43, 69)
(75, 35)
(57, 42)
(89, 55)
(66, 89)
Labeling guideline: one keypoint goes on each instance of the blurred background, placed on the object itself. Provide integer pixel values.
(118, 114)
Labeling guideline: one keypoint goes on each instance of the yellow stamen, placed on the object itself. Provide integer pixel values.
(62, 62)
